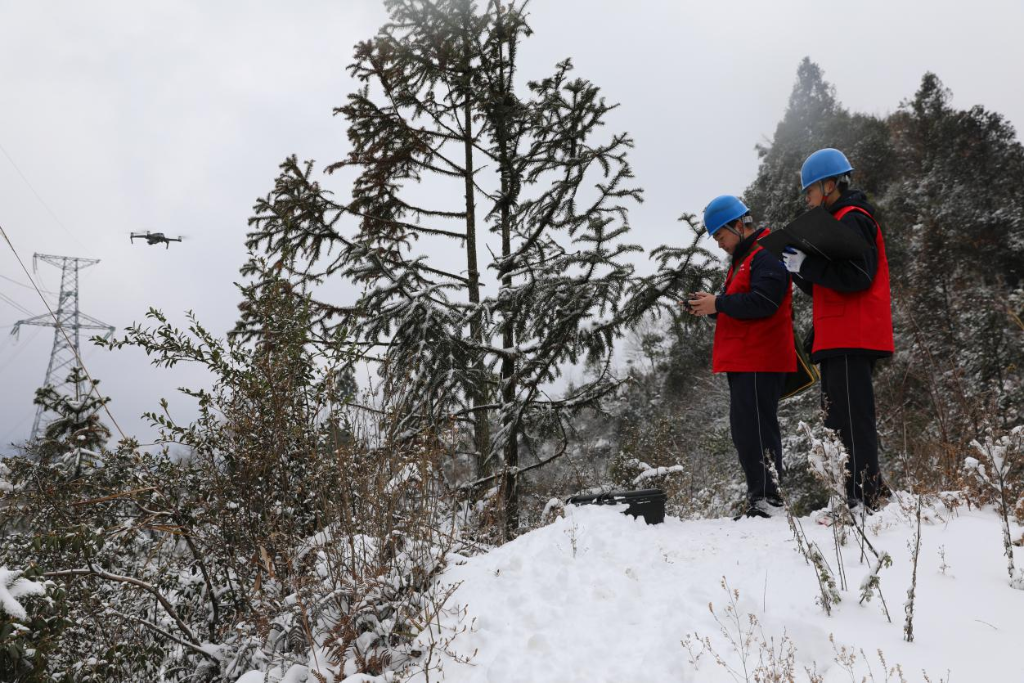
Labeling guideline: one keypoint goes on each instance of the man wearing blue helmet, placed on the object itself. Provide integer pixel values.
(753, 345)
(852, 318)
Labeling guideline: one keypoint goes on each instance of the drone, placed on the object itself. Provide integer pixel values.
(155, 238)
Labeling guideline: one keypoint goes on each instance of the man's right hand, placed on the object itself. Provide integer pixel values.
(702, 303)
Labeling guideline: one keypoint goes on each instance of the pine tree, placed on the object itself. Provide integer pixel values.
(814, 119)
(417, 118)
(77, 430)
(441, 100)
(958, 196)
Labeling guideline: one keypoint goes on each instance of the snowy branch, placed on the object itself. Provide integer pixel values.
(148, 587)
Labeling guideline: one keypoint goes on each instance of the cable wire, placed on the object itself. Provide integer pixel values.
(17, 351)
(15, 304)
(22, 284)
(41, 200)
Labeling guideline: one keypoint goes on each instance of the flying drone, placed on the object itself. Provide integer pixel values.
(155, 238)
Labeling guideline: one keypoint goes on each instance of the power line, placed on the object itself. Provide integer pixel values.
(8, 339)
(22, 284)
(14, 304)
(17, 352)
(41, 200)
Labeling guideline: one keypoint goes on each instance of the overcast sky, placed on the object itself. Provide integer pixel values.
(173, 117)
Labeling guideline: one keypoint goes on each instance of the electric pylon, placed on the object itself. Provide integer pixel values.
(68, 321)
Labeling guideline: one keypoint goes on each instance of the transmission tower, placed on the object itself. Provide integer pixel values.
(68, 322)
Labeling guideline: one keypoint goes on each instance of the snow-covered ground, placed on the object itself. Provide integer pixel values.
(596, 596)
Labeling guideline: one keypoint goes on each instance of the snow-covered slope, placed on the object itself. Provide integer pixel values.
(597, 596)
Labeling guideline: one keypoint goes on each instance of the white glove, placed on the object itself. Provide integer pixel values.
(793, 259)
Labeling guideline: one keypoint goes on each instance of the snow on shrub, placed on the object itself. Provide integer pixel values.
(994, 474)
(12, 587)
(5, 485)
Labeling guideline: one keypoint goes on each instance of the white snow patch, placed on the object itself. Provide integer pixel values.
(252, 677)
(12, 587)
(5, 486)
(408, 473)
(617, 608)
(551, 506)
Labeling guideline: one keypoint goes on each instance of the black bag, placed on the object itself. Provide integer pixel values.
(646, 503)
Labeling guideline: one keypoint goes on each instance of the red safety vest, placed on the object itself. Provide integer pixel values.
(856, 320)
(759, 345)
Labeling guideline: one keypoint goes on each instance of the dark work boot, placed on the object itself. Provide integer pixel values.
(764, 508)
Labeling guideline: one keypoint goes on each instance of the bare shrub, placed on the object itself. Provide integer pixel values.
(996, 475)
(828, 462)
(282, 528)
(828, 592)
(761, 658)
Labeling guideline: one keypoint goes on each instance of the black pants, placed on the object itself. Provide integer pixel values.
(754, 422)
(849, 403)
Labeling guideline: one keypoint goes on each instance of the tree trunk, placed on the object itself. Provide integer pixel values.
(510, 415)
(510, 480)
(481, 423)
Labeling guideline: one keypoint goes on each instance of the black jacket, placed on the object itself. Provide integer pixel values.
(850, 275)
(769, 282)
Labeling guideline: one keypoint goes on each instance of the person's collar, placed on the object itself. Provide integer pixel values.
(851, 197)
(743, 248)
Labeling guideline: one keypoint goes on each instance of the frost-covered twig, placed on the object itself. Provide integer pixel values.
(1001, 458)
(203, 650)
(828, 594)
(847, 659)
(872, 584)
(915, 553)
(828, 464)
(148, 587)
(744, 633)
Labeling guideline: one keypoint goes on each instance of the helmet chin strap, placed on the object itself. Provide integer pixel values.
(824, 195)
(746, 220)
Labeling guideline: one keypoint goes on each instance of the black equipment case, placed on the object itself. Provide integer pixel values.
(646, 503)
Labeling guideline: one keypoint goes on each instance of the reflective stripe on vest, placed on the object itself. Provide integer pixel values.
(759, 345)
(856, 320)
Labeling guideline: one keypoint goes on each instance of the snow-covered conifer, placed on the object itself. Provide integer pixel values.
(442, 101)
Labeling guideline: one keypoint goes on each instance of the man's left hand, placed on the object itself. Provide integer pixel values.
(793, 259)
(703, 303)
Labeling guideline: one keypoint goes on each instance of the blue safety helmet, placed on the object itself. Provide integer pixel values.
(825, 163)
(723, 210)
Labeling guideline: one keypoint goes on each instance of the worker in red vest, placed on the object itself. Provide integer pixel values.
(753, 345)
(852, 319)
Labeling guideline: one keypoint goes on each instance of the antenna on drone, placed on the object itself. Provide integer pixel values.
(68, 321)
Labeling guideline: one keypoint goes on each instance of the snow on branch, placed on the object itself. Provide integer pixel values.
(652, 472)
(12, 587)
